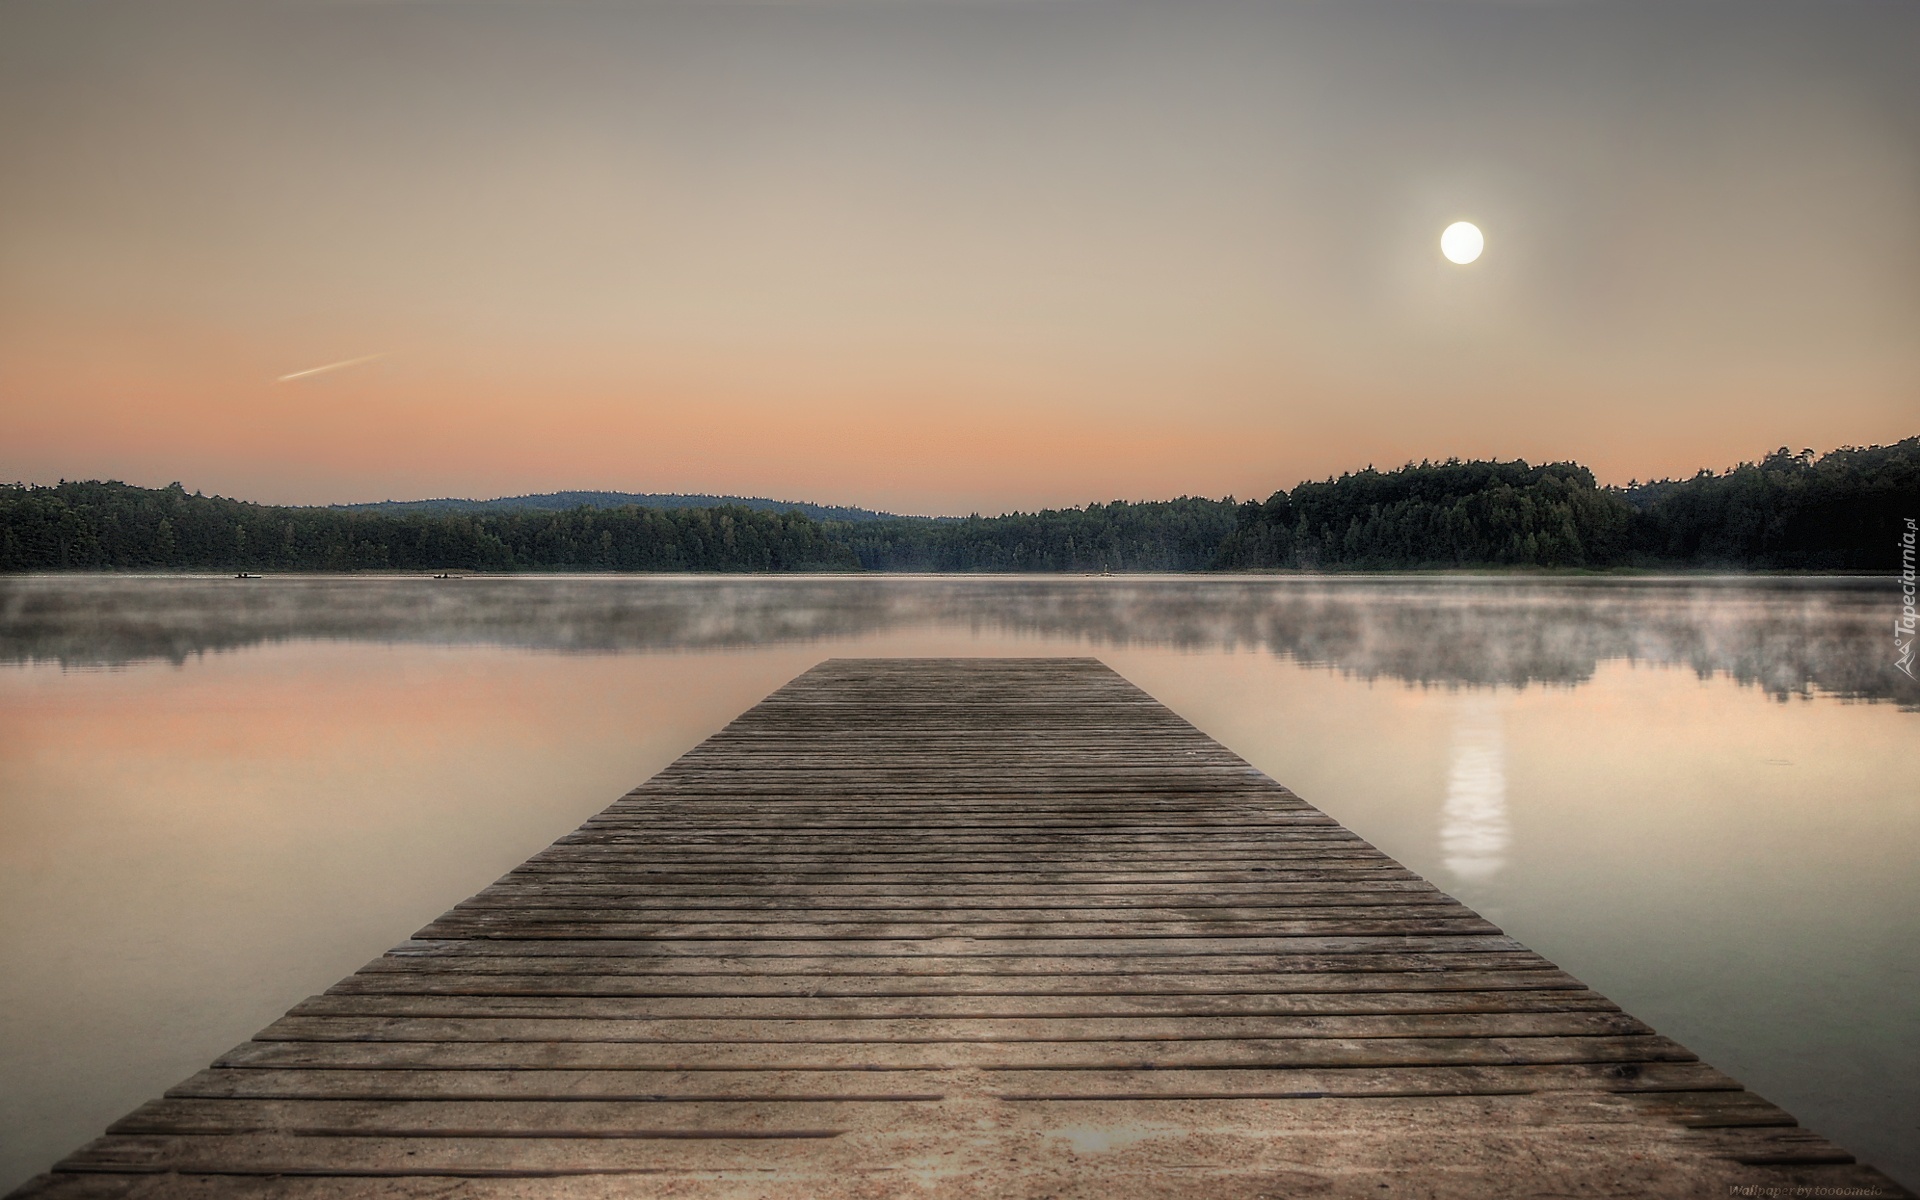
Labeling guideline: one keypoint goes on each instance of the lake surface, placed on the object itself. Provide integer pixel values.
(218, 796)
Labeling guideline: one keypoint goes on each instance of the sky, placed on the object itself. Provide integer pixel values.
(945, 256)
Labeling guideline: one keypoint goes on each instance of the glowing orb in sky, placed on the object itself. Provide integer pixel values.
(1462, 242)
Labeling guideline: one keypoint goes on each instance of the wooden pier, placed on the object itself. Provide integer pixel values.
(958, 927)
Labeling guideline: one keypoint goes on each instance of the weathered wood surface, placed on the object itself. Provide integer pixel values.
(957, 928)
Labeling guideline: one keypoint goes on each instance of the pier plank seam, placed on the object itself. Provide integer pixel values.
(957, 927)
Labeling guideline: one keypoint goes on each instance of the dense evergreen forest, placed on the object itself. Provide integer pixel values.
(1839, 511)
(1162, 535)
(1438, 514)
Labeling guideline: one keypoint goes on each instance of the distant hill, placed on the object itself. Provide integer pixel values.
(566, 501)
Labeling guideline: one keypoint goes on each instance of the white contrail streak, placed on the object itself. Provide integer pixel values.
(351, 362)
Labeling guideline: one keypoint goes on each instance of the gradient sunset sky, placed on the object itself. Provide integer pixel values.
(944, 256)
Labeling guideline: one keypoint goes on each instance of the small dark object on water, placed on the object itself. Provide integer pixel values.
(244, 575)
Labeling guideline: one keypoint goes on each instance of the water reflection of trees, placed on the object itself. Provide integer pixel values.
(1790, 637)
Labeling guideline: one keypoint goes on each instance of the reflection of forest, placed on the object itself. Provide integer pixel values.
(1789, 636)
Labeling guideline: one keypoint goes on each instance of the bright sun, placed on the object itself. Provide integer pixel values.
(1462, 242)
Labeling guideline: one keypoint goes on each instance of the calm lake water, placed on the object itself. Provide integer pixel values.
(218, 796)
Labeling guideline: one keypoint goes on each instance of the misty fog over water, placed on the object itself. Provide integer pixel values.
(1788, 636)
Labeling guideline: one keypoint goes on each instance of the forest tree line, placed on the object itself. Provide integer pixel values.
(1839, 511)
(113, 526)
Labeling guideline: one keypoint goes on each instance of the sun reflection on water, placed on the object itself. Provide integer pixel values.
(1474, 832)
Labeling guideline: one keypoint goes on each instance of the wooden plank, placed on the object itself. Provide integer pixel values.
(405, 1152)
(512, 977)
(815, 1008)
(982, 1055)
(1691, 1078)
(977, 948)
(954, 920)
(1253, 881)
(573, 1118)
(1520, 1127)
(571, 926)
(918, 1030)
(585, 1117)
(717, 898)
(1030, 970)
(860, 908)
